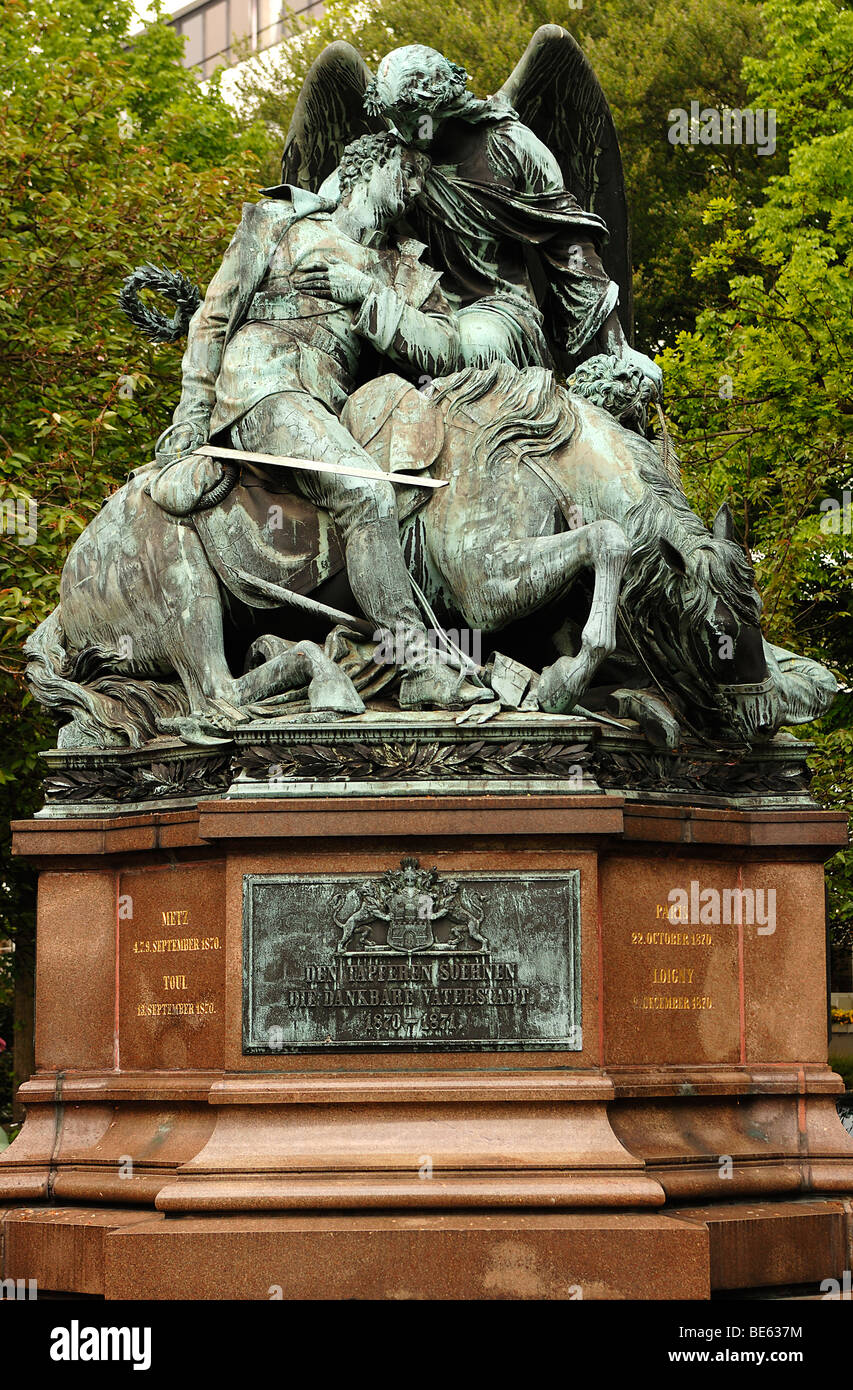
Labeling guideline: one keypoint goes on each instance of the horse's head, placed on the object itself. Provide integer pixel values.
(694, 612)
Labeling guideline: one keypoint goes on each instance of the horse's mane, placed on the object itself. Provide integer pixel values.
(664, 512)
(532, 417)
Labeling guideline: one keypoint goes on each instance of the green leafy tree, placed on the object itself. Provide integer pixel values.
(762, 388)
(110, 154)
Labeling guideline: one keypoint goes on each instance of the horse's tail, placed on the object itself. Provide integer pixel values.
(185, 296)
(93, 706)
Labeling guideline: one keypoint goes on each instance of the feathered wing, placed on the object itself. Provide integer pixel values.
(556, 93)
(329, 113)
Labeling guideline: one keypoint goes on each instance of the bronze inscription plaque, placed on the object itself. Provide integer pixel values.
(412, 959)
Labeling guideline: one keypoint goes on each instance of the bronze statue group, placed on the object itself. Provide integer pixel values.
(440, 285)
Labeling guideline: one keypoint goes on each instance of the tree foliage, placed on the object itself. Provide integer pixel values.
(762, 387)
(109, 155)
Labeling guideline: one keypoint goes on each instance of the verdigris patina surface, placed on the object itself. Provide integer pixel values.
(411, 958)
(409, 408)
(386, 753)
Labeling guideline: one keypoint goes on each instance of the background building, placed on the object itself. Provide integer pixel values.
(217, 31)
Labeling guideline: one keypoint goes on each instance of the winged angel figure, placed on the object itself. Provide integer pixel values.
(523, 209)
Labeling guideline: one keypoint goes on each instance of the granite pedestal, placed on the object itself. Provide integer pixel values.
(678, 1136)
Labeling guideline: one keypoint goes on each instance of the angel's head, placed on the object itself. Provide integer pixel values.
(380, 173)
(416, 88)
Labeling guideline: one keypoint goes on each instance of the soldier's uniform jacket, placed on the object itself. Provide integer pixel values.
(255, 334)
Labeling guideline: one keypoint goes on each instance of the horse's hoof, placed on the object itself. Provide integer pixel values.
(656, 719)
(332, 692)
(192, 729)
(561, 686)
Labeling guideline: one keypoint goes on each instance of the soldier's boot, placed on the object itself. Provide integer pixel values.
(433, 684)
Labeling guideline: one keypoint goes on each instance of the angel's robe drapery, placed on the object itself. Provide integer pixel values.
(499, 218)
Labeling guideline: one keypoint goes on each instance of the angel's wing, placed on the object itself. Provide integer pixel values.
(557, 94)
(329, 112)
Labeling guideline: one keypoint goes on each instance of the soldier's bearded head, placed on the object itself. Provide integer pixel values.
(416, 88)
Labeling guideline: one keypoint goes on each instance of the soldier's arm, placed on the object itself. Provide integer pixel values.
(411, 322)
(206, 342)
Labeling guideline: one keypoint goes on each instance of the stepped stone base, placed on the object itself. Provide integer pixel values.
(663, 1125)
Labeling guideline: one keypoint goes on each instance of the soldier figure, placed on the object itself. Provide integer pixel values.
(273, 353)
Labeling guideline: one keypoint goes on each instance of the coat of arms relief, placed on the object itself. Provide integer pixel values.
(410, 909)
